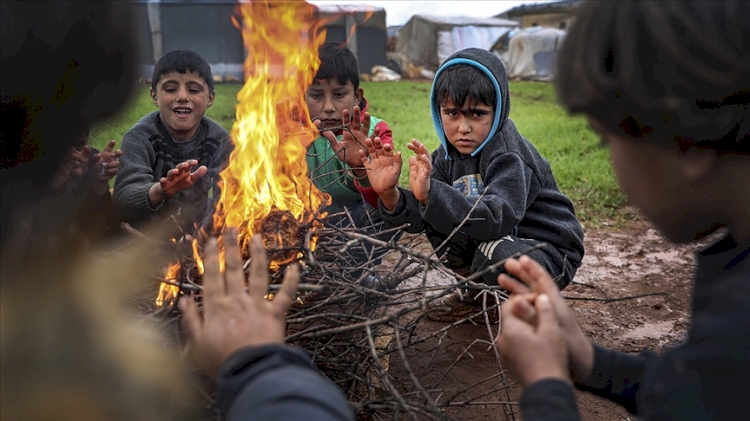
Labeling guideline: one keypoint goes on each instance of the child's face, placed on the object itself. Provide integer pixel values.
(327, 99)
(662, 182)
(468, 127)
(182, 99)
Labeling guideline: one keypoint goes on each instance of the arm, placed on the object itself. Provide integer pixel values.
(510, 187)
(135, 177)
(277, 382)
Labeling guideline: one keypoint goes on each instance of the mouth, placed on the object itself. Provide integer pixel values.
(330, 122)
(182, 112)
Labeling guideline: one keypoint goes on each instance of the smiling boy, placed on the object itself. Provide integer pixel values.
(487, 193)
(159, 172)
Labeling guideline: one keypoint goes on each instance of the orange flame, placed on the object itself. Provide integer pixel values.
(169, 292)
(266, 173)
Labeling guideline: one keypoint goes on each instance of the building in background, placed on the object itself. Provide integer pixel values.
(558, 14)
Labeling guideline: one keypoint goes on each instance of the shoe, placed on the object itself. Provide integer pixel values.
(452, 308)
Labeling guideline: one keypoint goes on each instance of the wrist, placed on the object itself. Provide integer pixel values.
(155, 195)
(390, 198)
(99, 187)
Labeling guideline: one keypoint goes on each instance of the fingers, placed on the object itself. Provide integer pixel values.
(537, 272)
(284, 298)
(511, 285)
(192, 322)
(545, 313)
(198, 174)
(366, 124)
(356, 120)
(213, 281)
(258, 283)
(234, 275)
(523, 307)
(110, 146)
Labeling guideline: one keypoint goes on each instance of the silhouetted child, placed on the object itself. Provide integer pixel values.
(667, 86)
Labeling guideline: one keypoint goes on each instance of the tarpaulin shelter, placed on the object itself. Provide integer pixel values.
(362, 28)
(428, 40)
(530, 53)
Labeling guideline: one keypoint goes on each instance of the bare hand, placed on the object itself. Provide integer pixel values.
(533, 352)
(536, 280)
(233, 318)
(421, 168)
(105, 163)
(180, 178)
(353, 140)
(383, 167)
(293, 126)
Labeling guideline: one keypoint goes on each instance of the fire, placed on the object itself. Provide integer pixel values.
(168, 292)
(267, 174)
(265, 187)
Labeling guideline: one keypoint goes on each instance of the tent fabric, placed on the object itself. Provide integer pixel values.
(530, 53)
(427, 40)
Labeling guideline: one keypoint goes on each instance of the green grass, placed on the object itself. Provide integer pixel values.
(580, 166)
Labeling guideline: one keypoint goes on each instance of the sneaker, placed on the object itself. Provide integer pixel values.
(453, 308)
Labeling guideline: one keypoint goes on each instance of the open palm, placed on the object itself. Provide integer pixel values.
(383, 166)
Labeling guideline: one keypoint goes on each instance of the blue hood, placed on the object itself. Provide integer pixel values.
(491, 66)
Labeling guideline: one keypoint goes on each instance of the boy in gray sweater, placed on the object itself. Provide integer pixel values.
(486, 193)
(159, 173)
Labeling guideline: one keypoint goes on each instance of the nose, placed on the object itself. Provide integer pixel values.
(182, 95)
(464, 126)
(328, 106)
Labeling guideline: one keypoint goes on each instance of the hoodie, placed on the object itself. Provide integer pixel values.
(505, 184)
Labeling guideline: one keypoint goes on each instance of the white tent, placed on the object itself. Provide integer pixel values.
(530, 53)
(428, 40)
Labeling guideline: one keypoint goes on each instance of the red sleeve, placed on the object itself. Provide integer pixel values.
(386, 136)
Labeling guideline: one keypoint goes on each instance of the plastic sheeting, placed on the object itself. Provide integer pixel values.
(427, 40)
(531, 53)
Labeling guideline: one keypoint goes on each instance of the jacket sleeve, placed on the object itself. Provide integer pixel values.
(386, 136)
(617, 376)
(511, 186)
(277, 382)
(405, 212)
(135, 176)
(549, 400)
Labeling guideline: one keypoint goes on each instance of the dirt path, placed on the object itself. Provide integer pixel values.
(619, 263)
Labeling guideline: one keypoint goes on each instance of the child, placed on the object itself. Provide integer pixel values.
(335, 99)
(159, 174)
(80, 187)
(666, 85)
(486, 182)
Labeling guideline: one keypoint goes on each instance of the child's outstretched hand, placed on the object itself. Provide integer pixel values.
(233, 317)
(178, 179)
(353, 140)
(383, 167)
(534, 281)
(104, 166)
(421, 168)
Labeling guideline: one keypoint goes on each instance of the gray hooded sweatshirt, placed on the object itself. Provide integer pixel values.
(519, 189)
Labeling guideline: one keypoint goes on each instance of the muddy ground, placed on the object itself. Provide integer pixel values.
(631, 293)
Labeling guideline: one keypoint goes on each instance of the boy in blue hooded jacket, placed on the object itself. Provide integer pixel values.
(487, 193)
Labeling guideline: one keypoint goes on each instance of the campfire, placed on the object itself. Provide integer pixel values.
(265, 188)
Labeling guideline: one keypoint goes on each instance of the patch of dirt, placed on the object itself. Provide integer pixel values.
(631, 293)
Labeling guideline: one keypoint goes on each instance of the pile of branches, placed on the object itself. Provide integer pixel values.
(360, 313)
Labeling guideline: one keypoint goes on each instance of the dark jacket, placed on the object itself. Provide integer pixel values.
(277, 382)
(706, 378)
(505, 183)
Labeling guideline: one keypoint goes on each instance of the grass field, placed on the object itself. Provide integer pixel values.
(580, 166)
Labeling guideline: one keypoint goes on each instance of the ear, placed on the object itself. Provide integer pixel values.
(698, 163)
(211, 97)
(153, 96)
(359, 95)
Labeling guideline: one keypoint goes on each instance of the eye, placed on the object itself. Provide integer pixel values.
(339, 94)
(478, 113)
(315, 95)
(195, 91)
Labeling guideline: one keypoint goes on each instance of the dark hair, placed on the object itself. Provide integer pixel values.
(337, 61)
(462, 82)
(673, 71)
(182, 61)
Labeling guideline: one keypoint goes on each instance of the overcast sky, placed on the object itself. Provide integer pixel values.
(399, 12)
